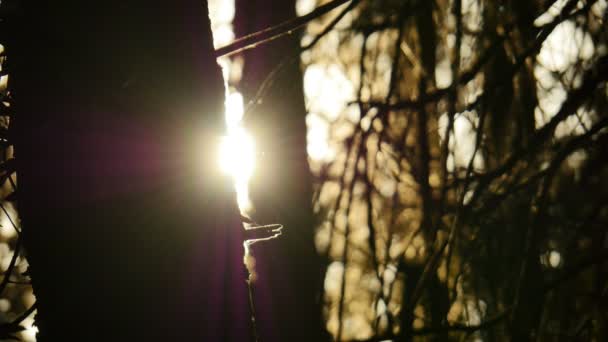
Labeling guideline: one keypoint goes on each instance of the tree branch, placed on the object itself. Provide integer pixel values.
(271, 33)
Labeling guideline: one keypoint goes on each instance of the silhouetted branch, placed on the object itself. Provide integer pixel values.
(347, 229)
(487, 324)
(271, 33)
(270, 78)
(8, 330)
(330, 26)
(25, 314)
(573, 101)
(571, 146)
(11, 265)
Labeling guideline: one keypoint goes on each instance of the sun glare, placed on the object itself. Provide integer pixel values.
(236, 159)
(236, 154)
(237, 149)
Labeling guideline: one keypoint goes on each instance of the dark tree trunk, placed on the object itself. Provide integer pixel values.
(131, 234)
(289, 269)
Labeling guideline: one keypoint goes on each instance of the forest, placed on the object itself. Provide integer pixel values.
(304, 170)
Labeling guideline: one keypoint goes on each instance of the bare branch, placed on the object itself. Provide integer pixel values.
(271, 33)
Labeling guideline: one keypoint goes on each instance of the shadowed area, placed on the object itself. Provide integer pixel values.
(132, 234)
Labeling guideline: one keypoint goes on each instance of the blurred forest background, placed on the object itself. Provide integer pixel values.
(439, 166)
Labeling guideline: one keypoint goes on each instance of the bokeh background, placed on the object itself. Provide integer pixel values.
(439, 167)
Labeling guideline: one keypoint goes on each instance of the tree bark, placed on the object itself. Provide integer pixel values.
(289, 269)
(131, 233)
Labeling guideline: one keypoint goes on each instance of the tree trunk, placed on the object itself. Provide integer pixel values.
(289, 268)
(130, 232)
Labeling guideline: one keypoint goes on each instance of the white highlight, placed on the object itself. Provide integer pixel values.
(237, 150)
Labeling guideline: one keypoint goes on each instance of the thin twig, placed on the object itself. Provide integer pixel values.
(489, 323)
(25, 314)
(346, 237)
(11, 265)
(270, 78)
(271, 33)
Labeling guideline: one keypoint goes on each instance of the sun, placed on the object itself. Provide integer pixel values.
(237, 154)
(237, 150)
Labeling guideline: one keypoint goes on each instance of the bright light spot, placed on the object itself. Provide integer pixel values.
(328, 89)
(237, 149)
(566, 45)
(474, 312)
(550, 98)
(574, 125)
(555, 258)
(473, 15)
(551, 258)
(304, 7)
(317, 138)
(221, 11)
(3, 82)
(234, 109)
(237, 158)
(29, 334)
(380, 307)
(552, 12)
(242, 196)
(333, 278)
(599, 8)
(462, 140)
(443, 73)
(387, 187)
(226, 65)
(564, 48)
(237, 154)
(222, 35)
